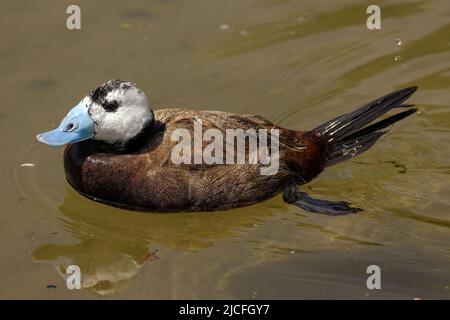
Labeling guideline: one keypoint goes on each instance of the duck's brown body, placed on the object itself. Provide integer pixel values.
(147, 179)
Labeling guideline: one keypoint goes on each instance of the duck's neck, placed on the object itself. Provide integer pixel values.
(130, 145)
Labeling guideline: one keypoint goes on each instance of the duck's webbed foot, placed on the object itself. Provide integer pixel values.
(304, 201)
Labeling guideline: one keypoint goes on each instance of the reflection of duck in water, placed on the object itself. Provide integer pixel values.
(126, 158)
(113, 246)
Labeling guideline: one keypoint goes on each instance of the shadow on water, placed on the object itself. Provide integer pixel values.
(137, 13)
(41, 84)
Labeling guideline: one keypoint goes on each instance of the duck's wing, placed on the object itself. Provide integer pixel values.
(202, 129)
(218, 184)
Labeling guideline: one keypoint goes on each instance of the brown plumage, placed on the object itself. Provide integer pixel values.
(145, 178)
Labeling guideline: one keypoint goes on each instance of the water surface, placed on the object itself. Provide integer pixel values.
(298, 63)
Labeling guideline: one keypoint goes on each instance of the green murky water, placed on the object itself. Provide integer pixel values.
(295, 62)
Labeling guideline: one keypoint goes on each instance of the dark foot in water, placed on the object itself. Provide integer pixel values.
(304, 201)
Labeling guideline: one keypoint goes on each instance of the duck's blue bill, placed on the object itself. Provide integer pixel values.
(76, 126)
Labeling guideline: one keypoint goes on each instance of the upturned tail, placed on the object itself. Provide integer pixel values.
(353, 133)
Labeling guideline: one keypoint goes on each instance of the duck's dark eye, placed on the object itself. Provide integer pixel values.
(110, 106)
(70, 127)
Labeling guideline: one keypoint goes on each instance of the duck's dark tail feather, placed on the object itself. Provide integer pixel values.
(353, 133)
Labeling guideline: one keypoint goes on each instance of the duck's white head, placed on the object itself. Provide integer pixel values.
(115, 113)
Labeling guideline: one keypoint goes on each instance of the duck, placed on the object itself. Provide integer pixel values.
(120, 152)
